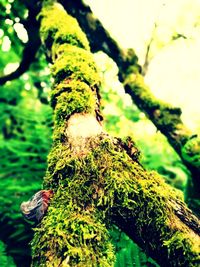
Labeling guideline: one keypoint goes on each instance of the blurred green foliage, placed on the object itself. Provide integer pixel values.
(25, 139)
(127, 252)
(24, 143)
(4, 259)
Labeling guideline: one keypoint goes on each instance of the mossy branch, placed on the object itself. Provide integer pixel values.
(95, 181)
(166, 118)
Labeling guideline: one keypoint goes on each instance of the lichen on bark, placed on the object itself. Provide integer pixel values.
(95, 180)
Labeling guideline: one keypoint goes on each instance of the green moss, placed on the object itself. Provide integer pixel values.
(59, 132)
(180, 244)
(62, 34)
(70, 236)
(76, 63)
(58, 27)
(108, 179)
(191, 151)
(77, 97)
(65, 167)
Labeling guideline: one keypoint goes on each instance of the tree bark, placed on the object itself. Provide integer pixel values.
(97, 179)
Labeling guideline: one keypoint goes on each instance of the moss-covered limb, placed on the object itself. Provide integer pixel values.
(165, 117)
(74, 70)
(106, 186)
(147, 209)
(73, 233)
(168, 120)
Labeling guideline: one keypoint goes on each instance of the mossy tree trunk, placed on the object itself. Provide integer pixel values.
(97, 180)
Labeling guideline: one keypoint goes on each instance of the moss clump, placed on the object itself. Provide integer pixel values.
(58, 27)
(77, 97)
(70, 237)
(58, 169)
(191, 151)
(76, 63)
(175, 244)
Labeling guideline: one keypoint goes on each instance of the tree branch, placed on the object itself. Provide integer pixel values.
(30, 50)
(166, 118)
(94, 179)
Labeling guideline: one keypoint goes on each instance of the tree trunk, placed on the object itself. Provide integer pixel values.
(96, 179)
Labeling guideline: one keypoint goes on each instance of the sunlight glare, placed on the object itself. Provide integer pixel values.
(21, 32)
(173, 73)
(6, 44)
(10, 67)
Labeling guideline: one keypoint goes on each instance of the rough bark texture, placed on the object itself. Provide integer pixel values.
(166, 118)
(95, 180)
